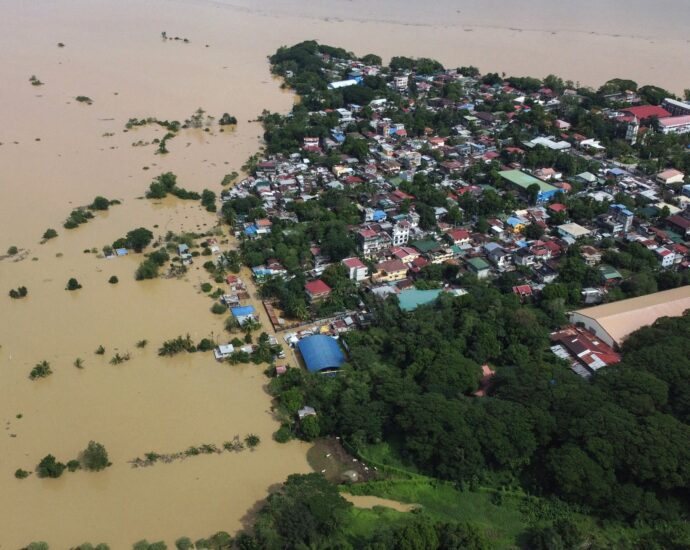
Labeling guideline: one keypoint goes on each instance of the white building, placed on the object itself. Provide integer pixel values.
(356, 270)
(401, 233)
(666, 256)
(573, 231)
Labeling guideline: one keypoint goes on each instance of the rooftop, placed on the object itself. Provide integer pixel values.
(524, 180)
(621, 318)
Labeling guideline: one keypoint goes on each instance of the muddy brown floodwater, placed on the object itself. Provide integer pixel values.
(57, 153)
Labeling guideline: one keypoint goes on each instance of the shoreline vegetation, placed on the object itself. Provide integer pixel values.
(235, 445)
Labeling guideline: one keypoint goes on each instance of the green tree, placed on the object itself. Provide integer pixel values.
(95, 457)
(49, 467)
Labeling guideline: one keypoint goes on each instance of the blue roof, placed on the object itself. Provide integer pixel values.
(320, 352)
(513, 221)
(242, 311)
(379, 215)
(250, 230)
(121, 251)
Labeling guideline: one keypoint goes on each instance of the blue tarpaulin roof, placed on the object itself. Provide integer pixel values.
(242, 311)
(321, 352)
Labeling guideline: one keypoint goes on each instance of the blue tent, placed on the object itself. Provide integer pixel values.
(321, 353)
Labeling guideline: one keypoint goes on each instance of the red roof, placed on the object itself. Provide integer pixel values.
(317, 287)
(353, 263)
(557, 207)
(391, 266)
(646, 111)
(458, 235)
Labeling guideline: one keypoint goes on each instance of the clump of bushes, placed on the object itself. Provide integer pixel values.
(148, 269)
(35, 81)
(136, 239)
(95, 458)
(167, 183)
(50, 467)
(100, 350)
(84, 99)
(218, 308)
(49, 234)
(41, 370)
(177, 345)
(73, 284)
(21, 474)
(12, 251)
(208, 200)
(227, 120)
(19, 292)
(77, 217)
(113, 280)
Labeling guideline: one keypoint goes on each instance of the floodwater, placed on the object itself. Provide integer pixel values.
(366, 501)
(57, 153)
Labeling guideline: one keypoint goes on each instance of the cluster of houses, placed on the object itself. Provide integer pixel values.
(393, 245)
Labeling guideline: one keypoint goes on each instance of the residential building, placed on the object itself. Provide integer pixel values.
(317, 290)
(356, 270)
(573, 231)
(523, 181)
(389, 271)
(479, 267)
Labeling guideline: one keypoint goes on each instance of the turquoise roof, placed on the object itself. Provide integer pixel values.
(411, 299)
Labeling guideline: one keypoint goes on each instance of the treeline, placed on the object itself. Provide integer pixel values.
(410, 378)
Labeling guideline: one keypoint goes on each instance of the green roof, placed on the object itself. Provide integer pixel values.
(609, 272)
(411, 299)
(478, 264)
(425, 246)
(524, 180)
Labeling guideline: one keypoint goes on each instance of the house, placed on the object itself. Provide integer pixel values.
(371, 241)
(223, 351)
(317, 290)
(679, 224)
(666, 257)
(670, 176)
(389, 270)
(458, 236)
(573, 231)
(498, 256)
(590, 255)
(609, 275)
(401, 233)
(356, 270)
(405, 254)
(588, 352)
(479, 267)
(524, 257)
(243, 314)
(523, 291)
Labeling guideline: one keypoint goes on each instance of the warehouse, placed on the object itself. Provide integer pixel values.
(616, 321)
(321, 353)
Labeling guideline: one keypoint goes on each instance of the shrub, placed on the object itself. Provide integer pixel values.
(12, 250)
(205, 345)
(19, 292)
(73, 465)
(49, 467)
(100, 350)
(142, 343)
(40, 545)
(73, 284)
(184, 543)
(21, 474)
(177, 345)
(79, 363)
(148, 269)
(282, 435)
(41, 370)
(100, 203)
(95, 457)
(218, 308)
(227, 119)
(113, 280)
(252, 440)
(206, 287)
(49, 234)
(84, 99)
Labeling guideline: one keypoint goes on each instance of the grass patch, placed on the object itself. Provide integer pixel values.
(502, 523)
(363, 523)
